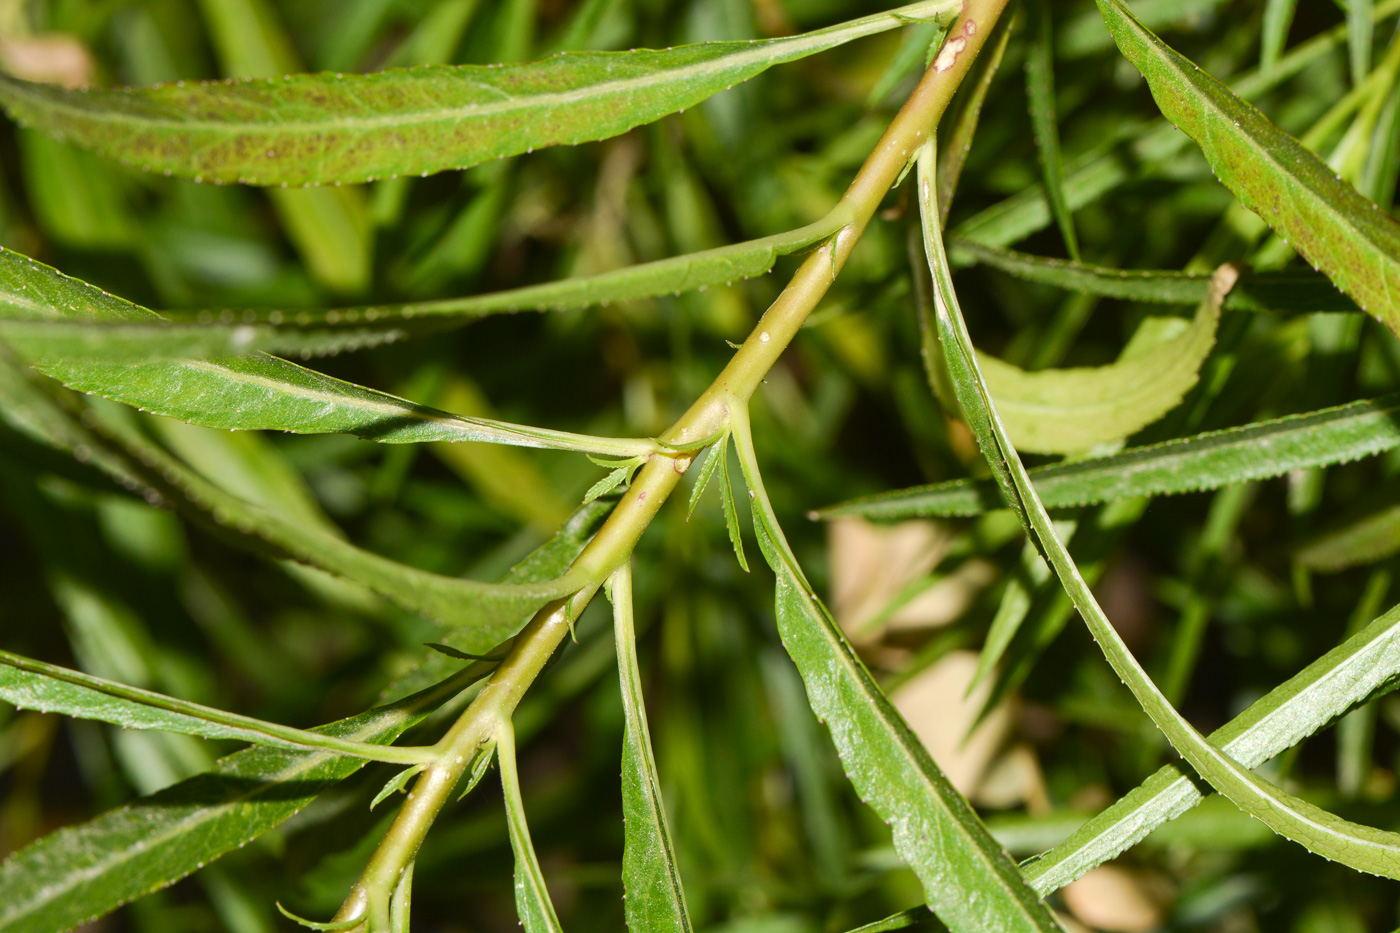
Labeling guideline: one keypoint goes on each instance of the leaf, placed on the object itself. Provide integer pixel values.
(396, 783)
(337, 926)
(1336, 229)
(1360, 26)
(257, 392)
(1040, 91)
(607, 484)
(532, 901)
(1361, 847)
(142, 341)
(81, 872)
(707, 470)
(672, 276)
(1191, 464)
(1350, 674)
(726, 498)
(1298, 291)
(1365, 540)
(1069, 410)
(30, 684)
(481, 763)
(1105, 168)
(1278, 17)
(480, 614)
(914, 917)
(934, 829)
(316, 129)
(651, 880)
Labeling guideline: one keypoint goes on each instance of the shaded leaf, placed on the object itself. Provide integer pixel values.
(30, 684)
(81, 872)
(1040, 90)
(1289, 290)
(1336, 229)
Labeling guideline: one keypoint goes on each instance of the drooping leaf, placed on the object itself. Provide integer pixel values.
(1040, 90)
(707, 470)
(256, 392)
(1325, 219)
(934, 828)
(479, 615)
(651, 880)
(30, 684)
(317, 129)
(1189, 464)
(1364, 848)
(1069, 410)
(672, 276)
(1351, 673)
(532, 901)
(1289, 290)
(81, 872)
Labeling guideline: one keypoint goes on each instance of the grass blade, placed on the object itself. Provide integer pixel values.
(76, 874)
(1191, 464)
(1347, 676)
(1297, 291)
(30, 684)
(651, 880)
(1326, 220)
(316, 129)
(1040, 90)
(1361, 847)
(532, 901)
(934, 828)
(1278, 17)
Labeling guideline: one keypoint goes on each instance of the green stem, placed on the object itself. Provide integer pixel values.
(704, 421)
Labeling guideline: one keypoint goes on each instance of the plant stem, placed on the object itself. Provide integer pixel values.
(705, 420)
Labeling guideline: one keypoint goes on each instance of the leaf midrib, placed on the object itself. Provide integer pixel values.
(772, 54)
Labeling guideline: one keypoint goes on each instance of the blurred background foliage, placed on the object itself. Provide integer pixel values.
(1207, 588)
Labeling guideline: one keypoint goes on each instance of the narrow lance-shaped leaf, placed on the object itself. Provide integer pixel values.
(81, 872)
(1356, 670)
(671, 276)
(1278, 17)
(1040, 90)
(1288, 290)
(30, 684)
(1102, 170)
(1364, 848)
(1069, 410)
(1326, 220)
(532, 901)
(651, 880)
(257, 392)
(1189, 464)
(934, 828)
(1364, 540)
(479, 614)
(316, 129)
